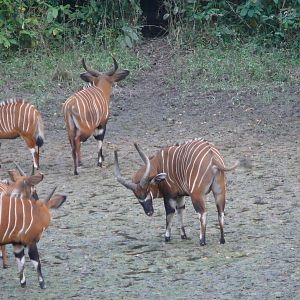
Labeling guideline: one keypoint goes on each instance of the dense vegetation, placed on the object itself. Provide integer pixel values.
(27, 24)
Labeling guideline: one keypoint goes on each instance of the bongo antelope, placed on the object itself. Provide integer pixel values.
(191, 169)
(20, 185)
(22, 222)
(86, 112)
(19, 118)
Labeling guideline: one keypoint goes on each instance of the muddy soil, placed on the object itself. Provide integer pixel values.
(101, 245)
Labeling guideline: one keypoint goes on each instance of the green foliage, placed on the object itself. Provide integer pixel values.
(41, 23)
(273, 22)
(46, 24)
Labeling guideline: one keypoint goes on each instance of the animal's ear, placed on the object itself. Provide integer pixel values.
(158, 178)
(34, 179)
(14, 175)
(87, 77)
(56, 201)
(120, 75)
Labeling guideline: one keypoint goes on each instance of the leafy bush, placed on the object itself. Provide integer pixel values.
(41, 23)
(273, 22)
(46, 23)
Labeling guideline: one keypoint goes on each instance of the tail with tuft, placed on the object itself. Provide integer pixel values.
(39, 141)
(39, 134)
(244, 163)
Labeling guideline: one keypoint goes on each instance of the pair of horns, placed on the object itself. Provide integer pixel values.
(129, 184)
(22, 173)
(96, 73)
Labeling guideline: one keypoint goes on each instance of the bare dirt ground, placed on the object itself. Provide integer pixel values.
(101, 245)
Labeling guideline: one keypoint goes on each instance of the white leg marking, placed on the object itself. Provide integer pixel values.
(32, 151)
(180, 214)
(202, 221)
(99, 148)
(98, 131)
(20, 262)
(221, 219)
(170, 216)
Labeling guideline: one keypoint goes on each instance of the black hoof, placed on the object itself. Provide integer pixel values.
(167, 239)
(184, 237)
(23, 284)
(5, 266)
(222, 241)
(202, 243)
(99, 164)
(76, 173)
(42, 284)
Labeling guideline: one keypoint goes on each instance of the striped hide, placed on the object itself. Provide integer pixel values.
(19, 118)
(22, 222)
(22, 186)
(86, 112)
(191, 169)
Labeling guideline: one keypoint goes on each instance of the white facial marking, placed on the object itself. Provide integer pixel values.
(148, 197)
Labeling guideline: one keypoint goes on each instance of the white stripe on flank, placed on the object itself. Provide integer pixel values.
(187, 157)
(8, 223)
(11, 116)
(28, 122)
(179, 164)
(208, 166)
(1, 126)
(163, 167)
(87, 102)
(168, 169)
(79, 111)
(189, 148)
(14, 116)
(199, 168)
(218, 155)
(172, 162)
(195, 151)
(20, 113)
(24, 117)
(31, 211)
(24, 216)
(16, 201)
(85, 114)
(205, 148)
(4, 123)
(8, 116)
